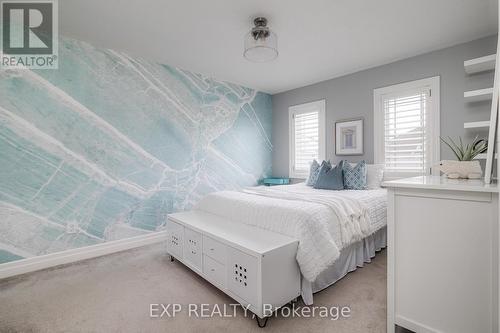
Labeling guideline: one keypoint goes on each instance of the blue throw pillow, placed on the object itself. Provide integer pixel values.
(355, 177)
(313, 173)
(330, 178)
(325, 164)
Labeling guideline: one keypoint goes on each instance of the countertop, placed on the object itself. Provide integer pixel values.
(443, 183)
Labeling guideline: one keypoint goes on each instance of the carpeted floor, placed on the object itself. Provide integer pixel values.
(114, 293)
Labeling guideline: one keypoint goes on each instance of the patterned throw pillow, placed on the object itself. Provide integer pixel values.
(355, 177)
(313, 173)
(315, 170)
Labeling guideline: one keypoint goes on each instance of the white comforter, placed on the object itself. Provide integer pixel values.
(323, 221)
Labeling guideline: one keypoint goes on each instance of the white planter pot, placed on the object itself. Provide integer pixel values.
(461, 169)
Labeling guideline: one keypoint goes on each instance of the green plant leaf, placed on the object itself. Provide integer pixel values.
(469, 151)
(449, 144)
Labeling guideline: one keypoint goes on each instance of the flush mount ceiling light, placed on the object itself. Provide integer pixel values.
(261, 44)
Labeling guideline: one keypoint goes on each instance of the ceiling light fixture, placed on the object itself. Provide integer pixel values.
(261, 44)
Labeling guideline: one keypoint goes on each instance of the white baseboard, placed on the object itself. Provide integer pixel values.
(414, 326)
(27, 265)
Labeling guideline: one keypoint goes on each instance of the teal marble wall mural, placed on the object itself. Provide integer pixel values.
(107, 145)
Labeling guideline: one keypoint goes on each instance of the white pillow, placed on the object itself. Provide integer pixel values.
(374, 176)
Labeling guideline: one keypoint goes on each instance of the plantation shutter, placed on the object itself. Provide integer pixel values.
(306, 143)
(406, 132)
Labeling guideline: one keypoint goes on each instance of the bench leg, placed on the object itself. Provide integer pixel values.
(264, 321)
(172, 259)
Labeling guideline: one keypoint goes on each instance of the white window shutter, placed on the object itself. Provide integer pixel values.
(307, 136)
(306, 143)
(407, 127)
(406, 143)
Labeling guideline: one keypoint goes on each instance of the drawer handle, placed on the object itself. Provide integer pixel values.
(212, 249)
(212, 269)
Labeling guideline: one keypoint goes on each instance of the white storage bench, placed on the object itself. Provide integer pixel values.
(252, 265)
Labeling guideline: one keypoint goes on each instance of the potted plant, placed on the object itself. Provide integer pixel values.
(466, 166)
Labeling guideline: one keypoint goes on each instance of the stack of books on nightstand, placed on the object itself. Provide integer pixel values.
(276, 181)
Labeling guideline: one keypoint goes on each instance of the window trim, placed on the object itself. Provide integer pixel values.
(433, 83)
(305, 108)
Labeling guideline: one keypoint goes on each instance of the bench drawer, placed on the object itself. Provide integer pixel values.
(192, 248)
(214, 271)
(175, 238)
(214, 249)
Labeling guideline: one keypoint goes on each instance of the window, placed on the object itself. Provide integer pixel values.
(407, 127)
(307, 136)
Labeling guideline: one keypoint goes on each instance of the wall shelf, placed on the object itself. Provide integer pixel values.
(477, 124)
(481, 64)
(478, 95)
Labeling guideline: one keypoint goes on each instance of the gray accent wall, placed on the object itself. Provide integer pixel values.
(351, 96)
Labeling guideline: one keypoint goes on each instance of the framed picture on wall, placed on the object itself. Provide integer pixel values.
(349, 137)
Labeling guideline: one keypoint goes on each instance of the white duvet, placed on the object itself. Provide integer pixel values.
(323, 221)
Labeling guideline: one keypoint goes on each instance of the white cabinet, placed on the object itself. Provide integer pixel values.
(442, 255)
(192, 248)
(255, 267)
(175, 240)
(243, 275)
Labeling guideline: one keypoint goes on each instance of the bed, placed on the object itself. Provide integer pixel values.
(338, 231)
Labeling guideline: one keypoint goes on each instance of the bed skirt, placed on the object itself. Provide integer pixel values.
(352, 257)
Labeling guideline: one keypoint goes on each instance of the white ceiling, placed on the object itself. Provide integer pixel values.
(317, 39)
